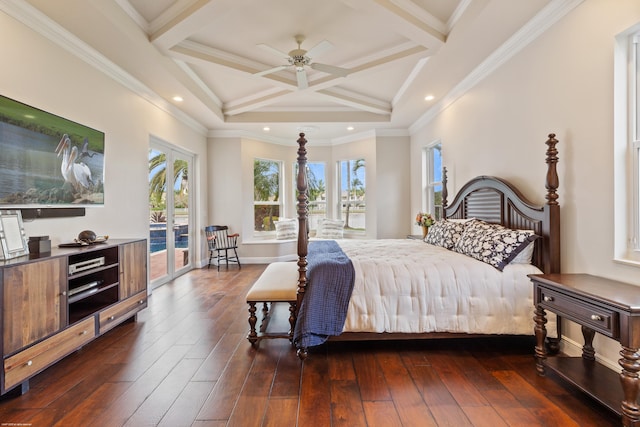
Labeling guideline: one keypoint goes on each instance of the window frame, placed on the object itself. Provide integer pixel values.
(429, 182)
(349, 231)
(312, 223)
(280, 202)
(626, 166)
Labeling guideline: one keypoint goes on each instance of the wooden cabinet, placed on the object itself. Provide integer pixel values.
(599, 305)
(34, 302)
(54, 304)
(133, 269)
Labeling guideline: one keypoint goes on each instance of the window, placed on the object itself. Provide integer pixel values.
(627, 146)
(634, 140)
(351, 178)
(316, 192)
(267, 203)
(432, 179)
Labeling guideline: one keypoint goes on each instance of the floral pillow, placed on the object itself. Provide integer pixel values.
(286, 229)
(445, 233)
(492, 243)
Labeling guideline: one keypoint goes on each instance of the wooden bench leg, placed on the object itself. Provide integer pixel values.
(253, 336)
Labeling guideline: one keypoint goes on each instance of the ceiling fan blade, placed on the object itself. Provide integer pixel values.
(271, 70)
(301, 75)
(273, 50)
(342, 72)
(319, 49)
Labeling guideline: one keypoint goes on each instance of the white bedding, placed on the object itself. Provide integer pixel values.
(411, 286)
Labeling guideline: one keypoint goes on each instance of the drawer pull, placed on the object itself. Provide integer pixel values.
(596, 317)
(83, 333)
(548, 298)
(29, 363)
(141, 301)
(111, 317)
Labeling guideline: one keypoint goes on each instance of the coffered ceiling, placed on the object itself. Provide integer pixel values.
(370, 63)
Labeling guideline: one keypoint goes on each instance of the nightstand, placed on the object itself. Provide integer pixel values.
(600, 305)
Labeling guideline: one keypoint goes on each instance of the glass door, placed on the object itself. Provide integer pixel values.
(170, 231)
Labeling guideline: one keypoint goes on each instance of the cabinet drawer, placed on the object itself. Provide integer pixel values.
(598, 318)
(121, 311)
(34, 359)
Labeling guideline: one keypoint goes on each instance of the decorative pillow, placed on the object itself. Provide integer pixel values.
(286, 229)
(492, 243)
(330, 228)
(445, 233)
(435, 234)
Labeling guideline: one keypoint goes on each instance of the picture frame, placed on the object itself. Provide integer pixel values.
(13, 240)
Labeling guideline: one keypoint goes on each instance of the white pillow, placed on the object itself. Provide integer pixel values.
(330, 228)
(524, 257)
(286, 228)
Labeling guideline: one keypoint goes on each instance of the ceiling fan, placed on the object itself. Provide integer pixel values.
(299, 58)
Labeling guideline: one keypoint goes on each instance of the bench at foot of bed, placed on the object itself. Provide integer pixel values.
(277, 283)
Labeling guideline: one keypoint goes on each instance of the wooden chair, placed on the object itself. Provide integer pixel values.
(220, 243)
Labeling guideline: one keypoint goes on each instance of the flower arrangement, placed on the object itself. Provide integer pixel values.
(425, 219)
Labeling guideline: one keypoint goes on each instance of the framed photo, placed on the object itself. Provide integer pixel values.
(13, 240)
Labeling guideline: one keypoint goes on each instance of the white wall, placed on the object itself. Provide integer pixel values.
(562, 83)
(393, 202)
(39, 73)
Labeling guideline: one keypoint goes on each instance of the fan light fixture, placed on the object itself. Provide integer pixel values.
(300, 58)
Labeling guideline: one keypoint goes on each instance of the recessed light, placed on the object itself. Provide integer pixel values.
(177, 98)
(429, 98)
(350, 128)
(266, 128)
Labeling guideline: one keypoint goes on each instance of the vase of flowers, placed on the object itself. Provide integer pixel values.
(425, 220)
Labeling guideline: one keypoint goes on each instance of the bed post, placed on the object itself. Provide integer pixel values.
(303, 232)
(552, 261)
(445, 192)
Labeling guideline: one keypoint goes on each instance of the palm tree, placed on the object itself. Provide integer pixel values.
(158, 175)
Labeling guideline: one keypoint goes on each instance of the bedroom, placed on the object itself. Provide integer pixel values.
(561, 82)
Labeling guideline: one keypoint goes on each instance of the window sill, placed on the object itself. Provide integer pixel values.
(267, 241)
(628, 262)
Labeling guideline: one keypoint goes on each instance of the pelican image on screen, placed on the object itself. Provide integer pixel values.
(47, 160)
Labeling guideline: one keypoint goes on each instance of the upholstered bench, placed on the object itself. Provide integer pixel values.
(277, 283)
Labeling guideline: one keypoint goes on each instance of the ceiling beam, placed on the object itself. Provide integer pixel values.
(394, 17)
(184, 18)
(297, 116)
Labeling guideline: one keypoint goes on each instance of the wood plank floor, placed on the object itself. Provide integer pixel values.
(186, 362)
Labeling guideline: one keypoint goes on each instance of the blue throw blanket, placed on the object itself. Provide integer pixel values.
(330, 279)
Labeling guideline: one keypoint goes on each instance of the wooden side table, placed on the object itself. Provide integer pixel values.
(600, 305)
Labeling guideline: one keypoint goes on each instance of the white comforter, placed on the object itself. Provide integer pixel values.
(410, 286)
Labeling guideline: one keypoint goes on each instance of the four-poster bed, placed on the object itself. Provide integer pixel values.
(487, 296)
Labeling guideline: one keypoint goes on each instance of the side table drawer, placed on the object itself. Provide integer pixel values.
(121, 311)
(34, 359)
(598, 318)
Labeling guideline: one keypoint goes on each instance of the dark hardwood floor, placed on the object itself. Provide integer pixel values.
(186, 362)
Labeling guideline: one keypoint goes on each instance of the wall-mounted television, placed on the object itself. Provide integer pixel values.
(47, 161)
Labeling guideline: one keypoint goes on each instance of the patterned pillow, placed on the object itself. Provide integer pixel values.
(492, 243)
(445, 233)
(330, 228)
(286, 229)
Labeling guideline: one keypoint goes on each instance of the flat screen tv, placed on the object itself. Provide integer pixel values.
(47, 160)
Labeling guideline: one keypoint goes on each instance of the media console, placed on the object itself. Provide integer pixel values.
(55, 303)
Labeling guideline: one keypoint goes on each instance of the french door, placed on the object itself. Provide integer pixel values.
(171, 234)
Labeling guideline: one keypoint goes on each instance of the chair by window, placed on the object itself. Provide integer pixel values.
(221, 243)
